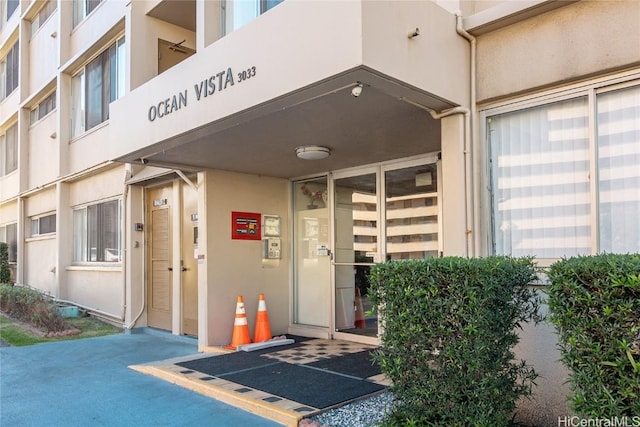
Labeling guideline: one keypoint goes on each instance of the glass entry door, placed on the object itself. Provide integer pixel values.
(312, 264)
(388, 212)
(356, 222)
(346, 223)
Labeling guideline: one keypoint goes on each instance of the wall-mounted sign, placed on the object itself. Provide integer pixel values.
(194, 217)
(202, 89)
(159, 202)
(245, 225)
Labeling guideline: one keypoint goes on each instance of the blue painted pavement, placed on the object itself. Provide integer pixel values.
(87, 382)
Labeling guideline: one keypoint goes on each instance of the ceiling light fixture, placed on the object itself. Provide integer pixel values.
(357, 90)
(312, 152)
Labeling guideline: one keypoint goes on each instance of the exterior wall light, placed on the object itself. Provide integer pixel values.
(312, 152)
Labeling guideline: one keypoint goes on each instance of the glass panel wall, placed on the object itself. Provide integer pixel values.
(412, 226)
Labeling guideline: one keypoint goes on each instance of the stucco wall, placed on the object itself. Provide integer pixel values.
(235, 266)
(582, 39)
(43, 54)
(43, 152)
(40, 257)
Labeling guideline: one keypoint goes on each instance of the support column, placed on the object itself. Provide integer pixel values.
(454, 205)
(64, 230)
(203, 282)
(176, 254)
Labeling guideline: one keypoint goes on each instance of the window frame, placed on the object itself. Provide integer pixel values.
(114, 74)
(43, 15)
(37, 222)
(81, 9)
(589, 89)
(9, 163)
(11, 7)
(82, 250)
(46, 106)
(10, 71)
(13, 245)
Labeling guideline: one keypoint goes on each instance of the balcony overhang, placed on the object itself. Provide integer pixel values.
(248, 100)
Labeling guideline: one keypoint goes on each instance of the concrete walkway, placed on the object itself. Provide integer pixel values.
(88, 383)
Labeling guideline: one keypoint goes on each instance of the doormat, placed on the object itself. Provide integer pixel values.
(358, 364)
(232, 362)
(305, 385)
(239, 360)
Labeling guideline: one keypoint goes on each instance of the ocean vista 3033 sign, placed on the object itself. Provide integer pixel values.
(204, 88)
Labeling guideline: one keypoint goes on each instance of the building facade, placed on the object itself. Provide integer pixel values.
(161, 158)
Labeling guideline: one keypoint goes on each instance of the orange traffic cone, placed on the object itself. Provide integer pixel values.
(240, 327)
(361, 323)
(263, 330)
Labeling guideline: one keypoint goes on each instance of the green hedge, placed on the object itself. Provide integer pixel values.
(449, 327)
(595, 305)
(30, 306)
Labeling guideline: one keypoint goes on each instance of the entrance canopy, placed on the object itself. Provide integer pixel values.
(247, 101)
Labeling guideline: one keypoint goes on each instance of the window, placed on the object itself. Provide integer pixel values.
(12, 5)
(82, 8)
(236, 13)
(99, 83)
(541, 165)
(618, 122)
(9, 75)
(9, 235)
(46, 106)
(96, 233)
(9, 150)
(43, 225)
(42, 16)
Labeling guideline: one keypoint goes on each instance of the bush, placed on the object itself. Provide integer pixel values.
(448, 333)
(595, 305)
(5, 271)
(30, 306)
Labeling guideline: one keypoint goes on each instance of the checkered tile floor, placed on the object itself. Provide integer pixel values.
(314, 350)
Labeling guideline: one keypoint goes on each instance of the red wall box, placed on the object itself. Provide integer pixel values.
(246, 225)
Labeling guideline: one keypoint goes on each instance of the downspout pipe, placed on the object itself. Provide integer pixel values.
(471, 164)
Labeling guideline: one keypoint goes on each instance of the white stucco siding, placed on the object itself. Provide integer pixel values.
(41, 257)
(563, 45)
(43, 152)
(43, 54)
(437, 60)
(97, 288)
(105, 185)
(235, 266)
(282, 52)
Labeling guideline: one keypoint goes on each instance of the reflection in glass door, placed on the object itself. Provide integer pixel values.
(412, 212)
(356, 250)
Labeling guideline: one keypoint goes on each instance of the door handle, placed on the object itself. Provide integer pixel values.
(170, 269)
(184, 269)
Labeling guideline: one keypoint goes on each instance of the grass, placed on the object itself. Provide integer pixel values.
(17, 335)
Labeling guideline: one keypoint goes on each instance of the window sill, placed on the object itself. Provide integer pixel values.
(85, 133)
(48, 236)
(97, 266)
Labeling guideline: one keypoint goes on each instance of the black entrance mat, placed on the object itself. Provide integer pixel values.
(302, 384)
(358, 364)
(232, 362)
